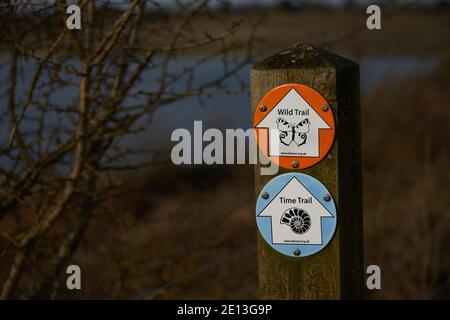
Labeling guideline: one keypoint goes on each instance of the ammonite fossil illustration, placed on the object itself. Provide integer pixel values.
(298, 220)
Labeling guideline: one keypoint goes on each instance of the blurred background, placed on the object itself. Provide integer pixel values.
(85, 124)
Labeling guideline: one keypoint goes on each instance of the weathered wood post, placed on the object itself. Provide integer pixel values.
(336, 272)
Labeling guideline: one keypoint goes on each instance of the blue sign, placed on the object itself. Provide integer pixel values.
(296, 214)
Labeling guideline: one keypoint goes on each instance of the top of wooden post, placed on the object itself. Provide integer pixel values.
(303, 56)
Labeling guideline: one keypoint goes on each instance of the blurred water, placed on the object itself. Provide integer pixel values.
(220, 111)
(374, 70)
(234, 111)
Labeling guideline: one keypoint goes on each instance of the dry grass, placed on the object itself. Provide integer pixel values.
(406, 174)
(346, 30)
(189, 233)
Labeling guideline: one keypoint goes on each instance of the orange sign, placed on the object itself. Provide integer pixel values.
(294, 126)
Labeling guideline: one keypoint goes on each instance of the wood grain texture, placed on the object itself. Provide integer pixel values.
(336, 272)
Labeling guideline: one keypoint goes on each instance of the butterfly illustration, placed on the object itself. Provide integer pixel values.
(290, 132)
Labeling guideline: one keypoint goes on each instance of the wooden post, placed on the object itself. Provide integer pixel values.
(337, 271)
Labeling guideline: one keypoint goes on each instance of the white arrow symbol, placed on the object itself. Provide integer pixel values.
(295, 197)
(287, 134)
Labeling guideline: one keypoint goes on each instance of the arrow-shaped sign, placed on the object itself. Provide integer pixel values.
(293, 127)
(295, 215)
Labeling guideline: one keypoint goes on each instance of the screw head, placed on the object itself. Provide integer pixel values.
(296, 252)
(293, 58)
(263, 108)
(326, 197)
(325, 108)
(294, 164)
(265, 195)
